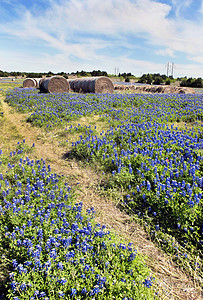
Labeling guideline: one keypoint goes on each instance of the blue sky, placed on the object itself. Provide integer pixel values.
(137, 36)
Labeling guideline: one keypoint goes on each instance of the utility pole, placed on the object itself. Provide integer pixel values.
(116, 71)
(170, 69)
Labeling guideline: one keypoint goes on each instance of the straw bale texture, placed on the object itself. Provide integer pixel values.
(37, 80)
(29, 83)
(92, 85)
(55, 84)
(40, 82)
(164, 89)
(70, 81)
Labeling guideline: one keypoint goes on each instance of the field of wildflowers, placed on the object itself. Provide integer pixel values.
(152, 150)
(53, 249)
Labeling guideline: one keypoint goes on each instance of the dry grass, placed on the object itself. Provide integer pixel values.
(186, 126)
(174, 283)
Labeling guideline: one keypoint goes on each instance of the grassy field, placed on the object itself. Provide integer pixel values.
(137, 159)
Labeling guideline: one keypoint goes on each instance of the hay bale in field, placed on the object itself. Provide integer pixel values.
(29, 83)
(55, 84)
(40, 82)
(37, 80)
(70, 81)
(156, 89)
(92, 85)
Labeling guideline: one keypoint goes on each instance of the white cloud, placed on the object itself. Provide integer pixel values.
(166, 52)
(61, 62)
(187, 70)
(113, 18)
(198, 59)
(82, 27)
(201, 8)
(180, 5)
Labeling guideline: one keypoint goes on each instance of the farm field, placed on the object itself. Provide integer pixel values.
(135, 158)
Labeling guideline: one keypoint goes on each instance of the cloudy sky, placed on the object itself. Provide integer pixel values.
(137, 36)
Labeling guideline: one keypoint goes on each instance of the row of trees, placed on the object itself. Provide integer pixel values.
(49, 74)
(25, 74)
(155, 79)
(90, 74)
(190, 82)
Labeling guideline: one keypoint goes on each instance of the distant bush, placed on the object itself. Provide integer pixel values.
(158, 80)
(190, 82)
(154, 78)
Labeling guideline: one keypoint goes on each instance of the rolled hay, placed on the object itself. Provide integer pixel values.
(55, 84)
(37, 80)
(41, 80)
(71, 84)
(29, 83)
(98, 85)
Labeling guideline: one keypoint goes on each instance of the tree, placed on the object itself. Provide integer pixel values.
(158, 80)
(190, 82)
(197, 83)
(149, 79)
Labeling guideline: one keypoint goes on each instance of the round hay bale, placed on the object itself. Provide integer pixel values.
(37, 80)
(160, 89)
(71, 84)
(55, 84)
(74, 87)
(29, 83)
(40, 84)
(92, 85)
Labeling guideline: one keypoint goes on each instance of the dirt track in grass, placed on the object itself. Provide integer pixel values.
(174, 283)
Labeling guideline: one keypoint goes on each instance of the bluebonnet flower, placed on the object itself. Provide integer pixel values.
(148, 186)
(42, 294)
(148, 282)
(60, 266)
(95, 291)
(61, 294)
(14, 263)
(23, 286)
(36, 293)
(13, 285)
(178, 226)
(84, 291)
(73, 292)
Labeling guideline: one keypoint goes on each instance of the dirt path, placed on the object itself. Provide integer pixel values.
(174, 283)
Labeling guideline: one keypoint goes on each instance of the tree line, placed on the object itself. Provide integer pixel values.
(163, 79)
(155, 78)
(192, 82)
(50, 73)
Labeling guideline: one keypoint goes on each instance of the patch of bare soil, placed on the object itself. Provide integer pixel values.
(174, 283)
